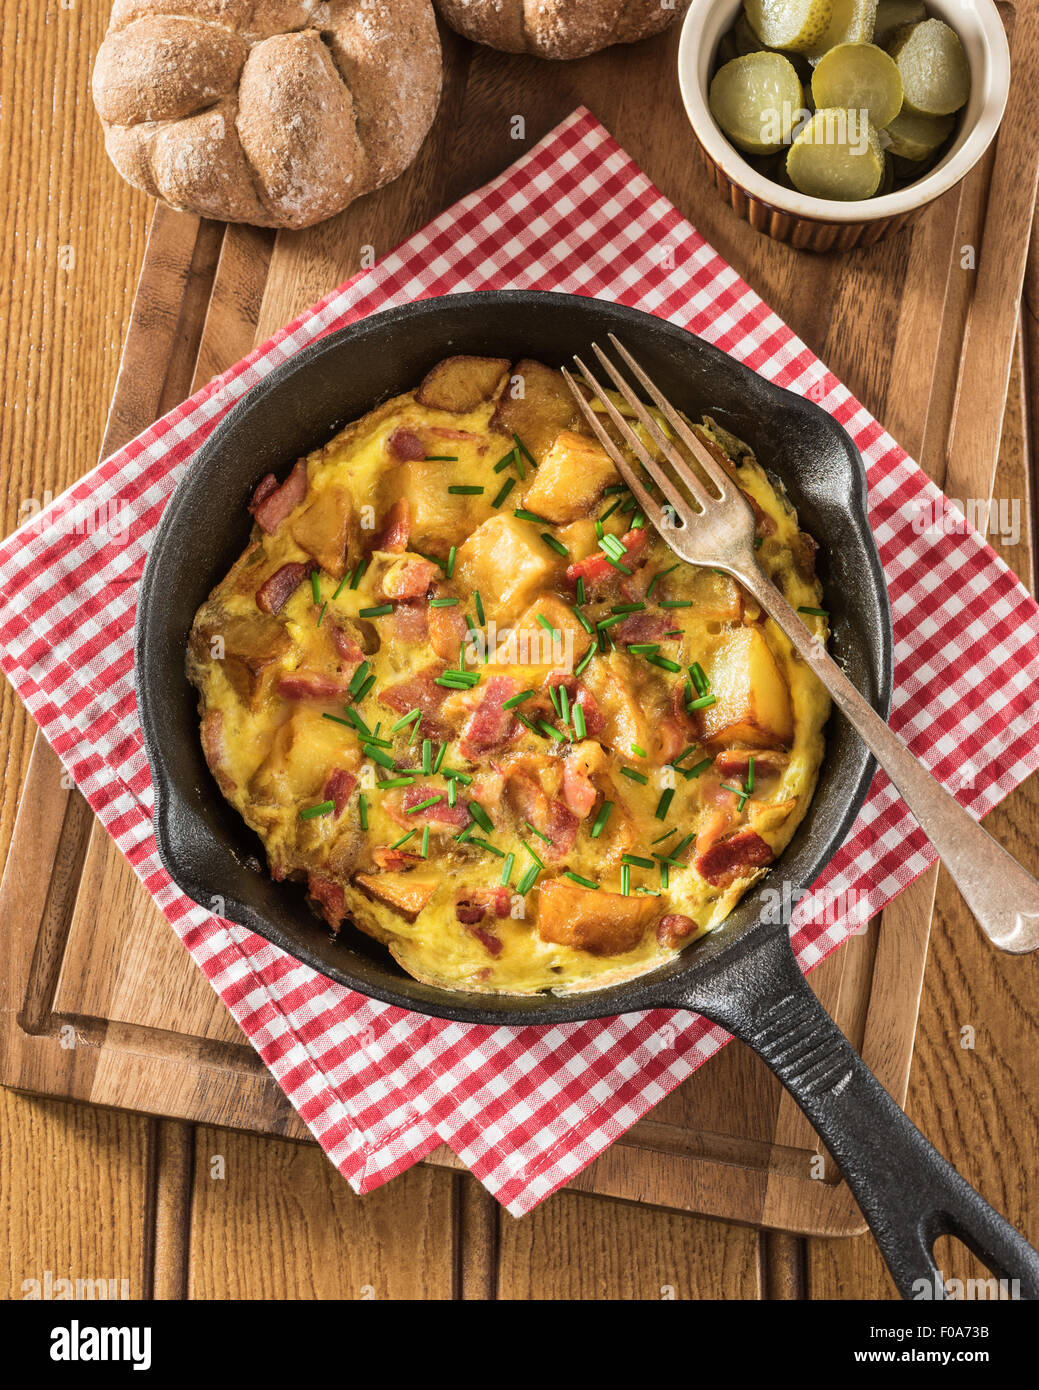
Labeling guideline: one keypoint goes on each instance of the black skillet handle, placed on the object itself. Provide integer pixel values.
(908, 1193)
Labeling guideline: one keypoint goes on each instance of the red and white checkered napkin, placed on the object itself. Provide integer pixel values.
(524, 1108)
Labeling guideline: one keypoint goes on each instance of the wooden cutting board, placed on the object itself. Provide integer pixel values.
(98, 1000)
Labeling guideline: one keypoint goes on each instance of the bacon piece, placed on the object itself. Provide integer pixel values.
(275, 592)
(545, 813)
(313, 685)
(594, 721)
(735, 762)
(441, 813)
(490, 725)
(487, 939)
(404, 445)
(275, 505)
(447, 629)
(673, 735)
(578, 791)
(264, 488)
(338, 786)
(419, 692)
(411, 620)
(675, 928)
(442, 432)
(473, 904)
(346, 644)
(213, 746)
(407, 579)
(644, 627)
(390, 859)
(330, 898)
(733, 857)
(396, 528)
(596, 570)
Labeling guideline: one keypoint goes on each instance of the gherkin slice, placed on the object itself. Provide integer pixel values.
(861, 77)
(837, 154)
(796, 25)
(933, 66)
(755, 100)
(915, 137)
(851, 22)
(892, 15)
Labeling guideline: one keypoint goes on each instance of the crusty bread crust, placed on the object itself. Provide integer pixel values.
(557, 28)
(273, 112)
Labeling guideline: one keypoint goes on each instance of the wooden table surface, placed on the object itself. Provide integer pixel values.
(211, 1214)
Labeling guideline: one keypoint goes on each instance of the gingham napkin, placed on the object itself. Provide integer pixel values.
(524, 1108)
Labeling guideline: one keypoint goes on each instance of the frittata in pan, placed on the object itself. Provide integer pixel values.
(460, 689)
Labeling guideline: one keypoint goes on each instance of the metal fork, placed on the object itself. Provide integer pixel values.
(1001, 894)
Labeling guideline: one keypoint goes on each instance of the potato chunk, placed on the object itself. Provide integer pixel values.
(626, 701)
(753, 700)
(508, 562)
(604, 924)
(252, 648)
(541, 413)
(460, 384)
(303, 752)
(405, 893)
(571, 478)
(322, 529)
(539, 645)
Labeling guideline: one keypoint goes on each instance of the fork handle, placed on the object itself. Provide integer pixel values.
(1002, 895)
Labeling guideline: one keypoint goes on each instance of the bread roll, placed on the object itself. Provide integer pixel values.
(558, 28)
(274, 112)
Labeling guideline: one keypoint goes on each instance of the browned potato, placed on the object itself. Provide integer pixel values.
(541, 413)
(605, 924)
(508, 562)
(533, 637)
(303, 752)
(753, 701)
(322, 529)
(406, 893)
(571, 478)
(459, 384)
(252, 646)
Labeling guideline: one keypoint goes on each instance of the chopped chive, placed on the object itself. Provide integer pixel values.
(583, 620)
(700, 680)
(815, 612)
(676, 603)
(452, 792)
(315, 585)
(664, 804)
(553, 695)
(357, 679)
(478, 601)
(580, 728)
(463, 835)
(525, 722)
(506, 488)
(481, 817)
(365, 688)
(617, 564)
(524, 450)
(704, 702)
(409, 718)
(451, 557)
(362, 810)
(637, 862)
(405, 838)
(358, 573)
(564, 705)
(547, 625)
(601, 819)
(539, 833)
(557, 546)
(440, 458)
(378, 612)
(321, 809)
(427, 756)
(528, 880)
(517, 699)
(465, 490)
(443, 602)
(639, 752)
(537, 860)
(506, 872)
(580, 588)
(749, 783)
(322, 613)
(378, 756)
(610, 510)
(584, 882)
(635, 776)
(389, 782)
(683, 755)
(610, 545)
(424, 851)
(627, 608)
(598, 530)
(625, 880)
(424, 805)
(439, 757)
(666, 836)
(458, 680)
(659, 575)
(664, 662)
(504, 461)
(454, 775)
(643, 648)
(614, 489)
(700, 767)
(336, 720)
(521, 515)
(358, 723)
(342, 584)
(551, 732)
(681, 846)
(584, 660)
(486, 844)
(664, 876)
(604, 623)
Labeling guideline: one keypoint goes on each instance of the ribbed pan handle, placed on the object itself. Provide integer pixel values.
(908, 1192)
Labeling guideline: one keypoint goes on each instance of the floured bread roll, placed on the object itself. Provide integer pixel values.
(558, 28)
(274, 112)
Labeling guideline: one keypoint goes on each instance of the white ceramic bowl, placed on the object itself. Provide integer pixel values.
(823, 224)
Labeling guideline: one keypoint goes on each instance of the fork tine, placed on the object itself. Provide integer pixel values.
(674, 458)
(646, 501)
(710, 465)
(675, 502)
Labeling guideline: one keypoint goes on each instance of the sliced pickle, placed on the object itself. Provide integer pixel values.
(756, 99)
(934, 68)
(851, 22)
(915, 137)
(892, 15)
(887, 179)
(837, 154)
(861, 77)
(789, 24)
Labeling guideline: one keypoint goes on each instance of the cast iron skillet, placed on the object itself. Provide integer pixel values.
(743, 977)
